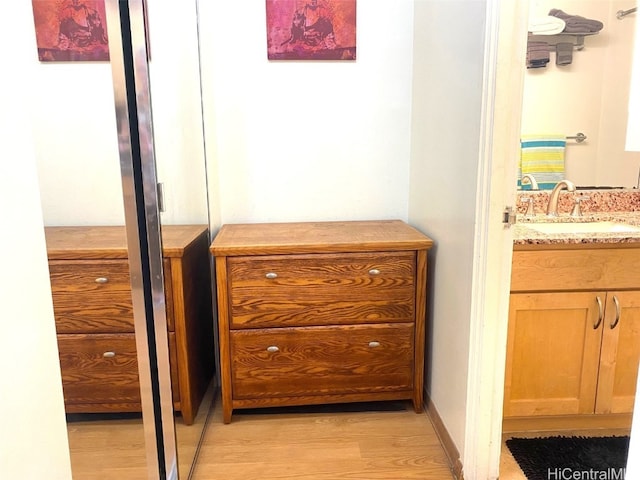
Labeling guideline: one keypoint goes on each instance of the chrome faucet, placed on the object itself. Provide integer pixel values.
(531, 180)
(552, 206)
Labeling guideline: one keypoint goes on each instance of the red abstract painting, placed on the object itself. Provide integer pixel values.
(311, 29)
(70, 30)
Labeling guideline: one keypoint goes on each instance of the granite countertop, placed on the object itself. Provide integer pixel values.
(524, 235)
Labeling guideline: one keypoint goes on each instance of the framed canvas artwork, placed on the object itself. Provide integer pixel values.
(311, 29)
(70, 30)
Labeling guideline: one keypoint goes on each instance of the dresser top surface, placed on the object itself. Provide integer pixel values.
(111, 241)
(317, 237)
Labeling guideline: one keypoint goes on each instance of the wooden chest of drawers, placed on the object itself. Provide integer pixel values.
(322, 312)
(93, 311)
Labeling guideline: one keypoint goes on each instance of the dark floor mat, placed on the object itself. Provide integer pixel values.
(570, 457)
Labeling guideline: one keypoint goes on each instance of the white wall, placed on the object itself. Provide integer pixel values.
(591, 96)
(447, 94)
(76, 143)
(177, 112)
(76, 137)
(633, 125)
(33, 443)
(295, 141)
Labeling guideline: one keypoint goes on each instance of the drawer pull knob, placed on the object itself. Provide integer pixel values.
(109, 354)
(374, 344)
(273, 349)
(102, 280)
(374, 271)
(271, 275)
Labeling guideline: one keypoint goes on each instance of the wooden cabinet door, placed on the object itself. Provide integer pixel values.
(620, 353)
(553, 353)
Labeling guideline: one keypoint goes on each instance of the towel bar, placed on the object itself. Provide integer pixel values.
(578, 137)
(620, 14)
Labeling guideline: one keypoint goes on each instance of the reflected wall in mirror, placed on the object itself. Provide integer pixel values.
(80, 186)
(78, 165)
(589, 95)
(174, 71)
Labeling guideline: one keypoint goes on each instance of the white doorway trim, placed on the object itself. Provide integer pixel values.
(504, 65)
(505, 49)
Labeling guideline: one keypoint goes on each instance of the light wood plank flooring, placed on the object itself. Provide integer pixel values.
(371, 442)
(322, 443)
(114, 448)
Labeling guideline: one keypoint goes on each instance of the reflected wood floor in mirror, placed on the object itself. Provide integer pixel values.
(103, 446)
(381, 440)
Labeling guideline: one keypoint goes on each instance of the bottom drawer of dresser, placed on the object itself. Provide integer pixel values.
(321, 360)
(99, 370)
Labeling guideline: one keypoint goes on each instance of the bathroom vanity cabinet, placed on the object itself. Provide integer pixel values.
(574, 334)
(93, 311)
(323, 312)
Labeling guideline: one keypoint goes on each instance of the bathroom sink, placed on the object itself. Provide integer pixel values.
(583, 227)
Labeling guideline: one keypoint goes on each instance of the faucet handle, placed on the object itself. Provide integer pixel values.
(577, 209)
(530, 209)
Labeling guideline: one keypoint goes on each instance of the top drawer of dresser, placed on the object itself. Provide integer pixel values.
(91, 296)
(321, 289)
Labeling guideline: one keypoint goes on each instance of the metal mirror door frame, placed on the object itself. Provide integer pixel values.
(129, 65)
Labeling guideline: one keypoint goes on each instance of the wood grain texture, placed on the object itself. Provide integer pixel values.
(88, 377)
(579, 269)
(113, 446)
(103, 242)
(620, 353)
(222, 288)
(322, 360)
(447, 442)
(321, 289)
(168, 294)
(82, 306)
(325, 399)
(552, 354)
(308, 289)
(315, 237)
(175, 371)
(566, 422)
(192, 308)
(557, 363)
(420, 330)
(327, 443)
(94, 383)
(332, 443)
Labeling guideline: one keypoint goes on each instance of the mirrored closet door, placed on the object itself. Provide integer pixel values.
(79, 149)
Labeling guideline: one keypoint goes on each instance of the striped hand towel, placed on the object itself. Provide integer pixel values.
(543, 157)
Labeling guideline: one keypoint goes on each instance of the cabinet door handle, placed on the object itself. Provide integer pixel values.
(102, 280)
(617, 319)
(374, 344)
(109, 354)
(273, 349)
(271, 275)
(374, 271)
(600, 313)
